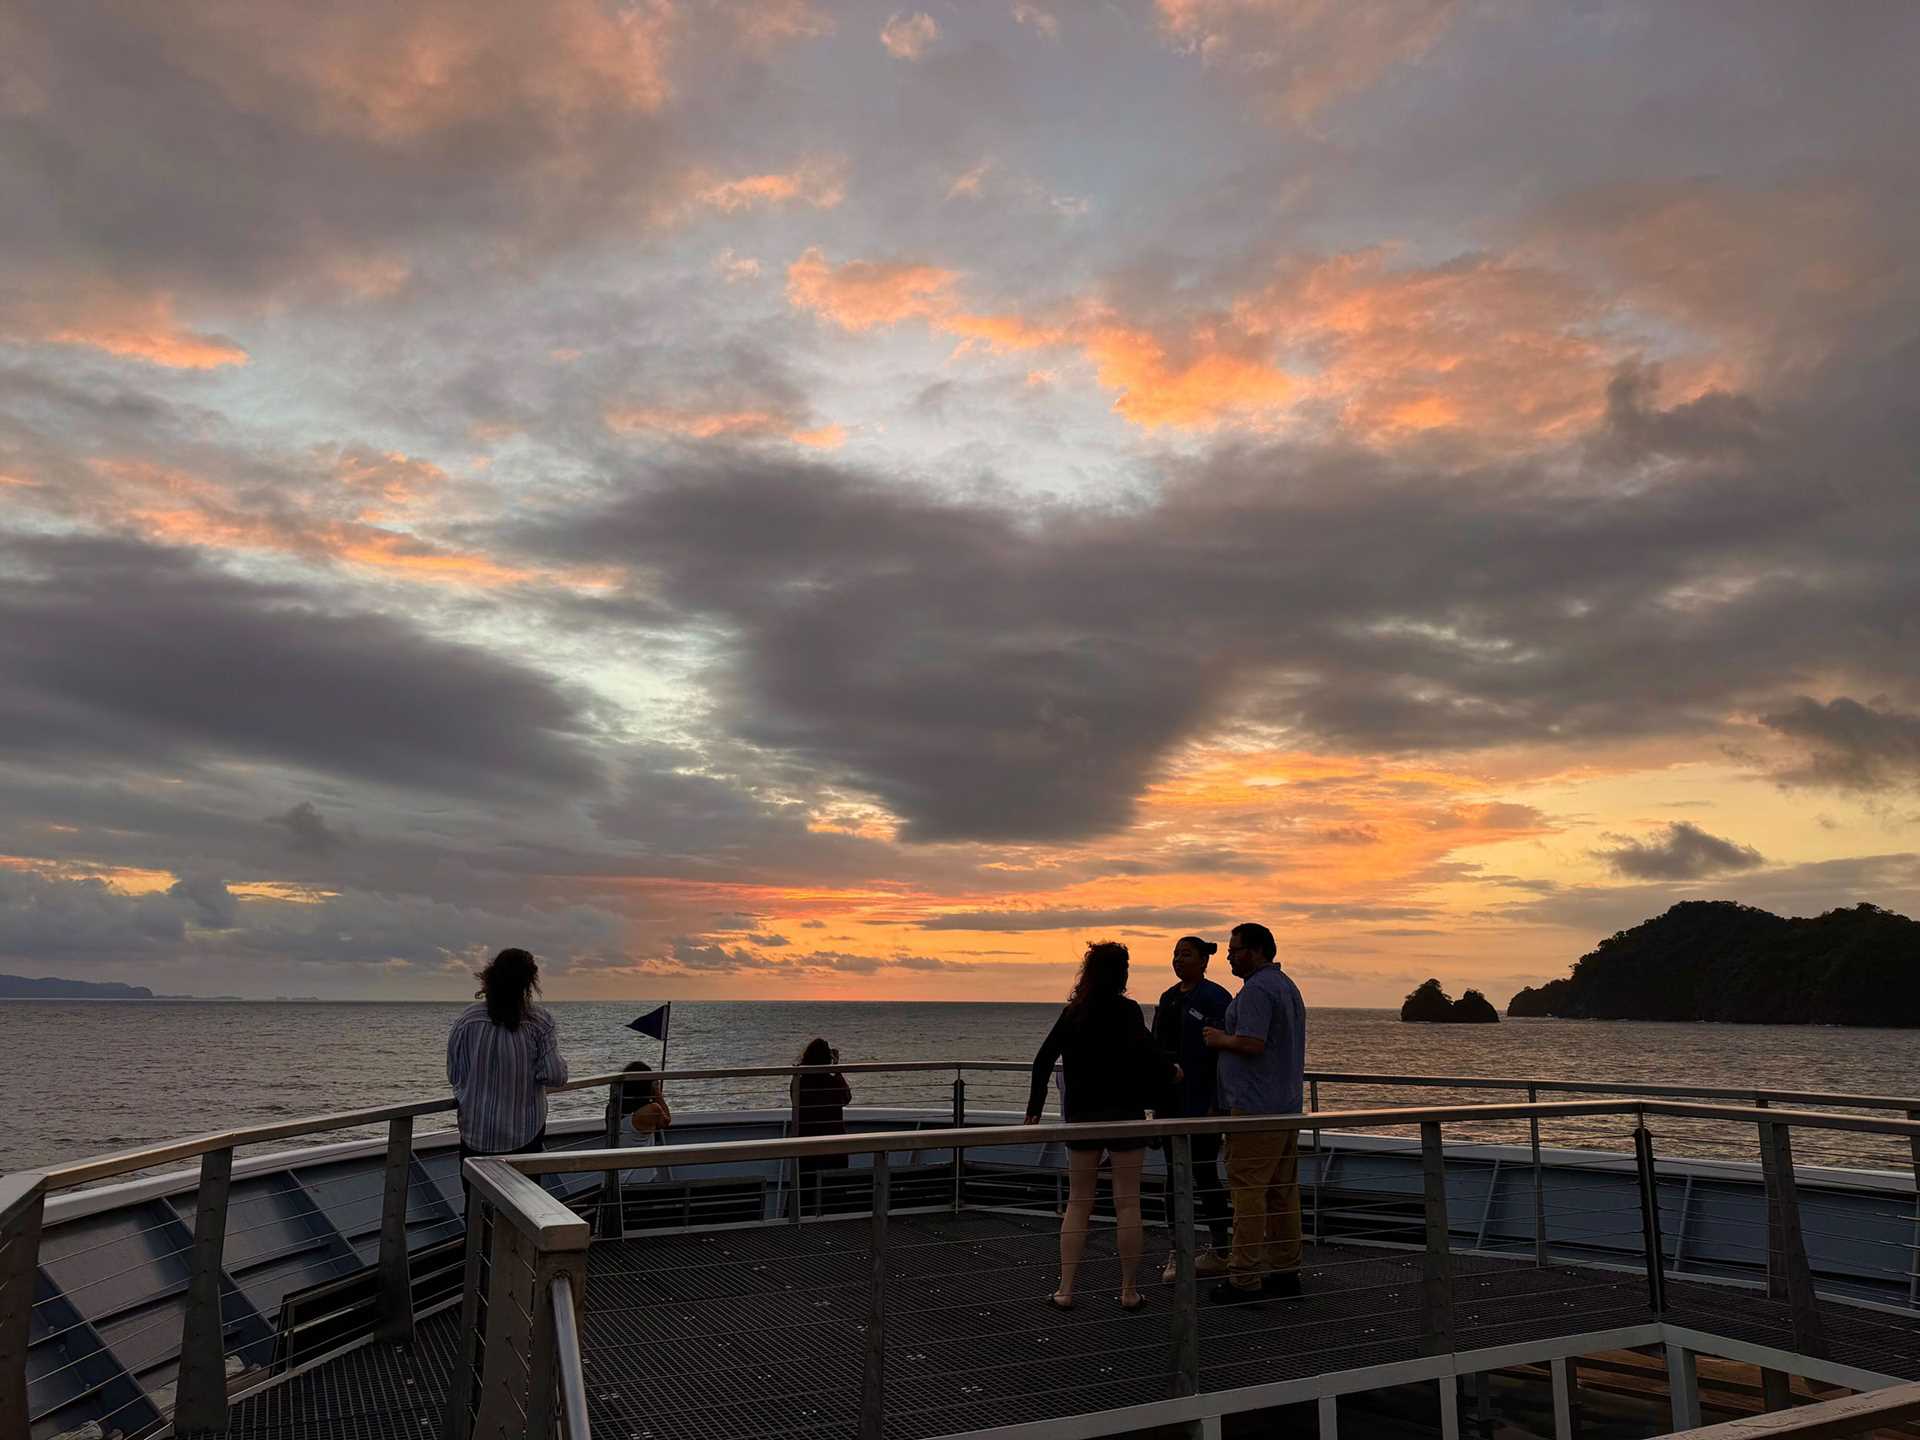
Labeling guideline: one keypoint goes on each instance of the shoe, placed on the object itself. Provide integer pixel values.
(1060, 1302)
(1138, 1300)
(1228, 1293)
(1283, 1284)
(1211, 1263)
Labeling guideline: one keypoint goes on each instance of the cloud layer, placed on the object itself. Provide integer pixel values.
(865, 498)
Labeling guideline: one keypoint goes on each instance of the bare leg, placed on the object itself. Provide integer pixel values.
(1126, 1206)
(1083, 1175)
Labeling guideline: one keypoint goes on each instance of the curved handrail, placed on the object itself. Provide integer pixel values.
(123, 1162)
(573, 1374)
(560, 1162)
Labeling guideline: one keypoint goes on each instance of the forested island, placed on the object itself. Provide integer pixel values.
(1431, 1005)
(1719, 960)
(19, 987)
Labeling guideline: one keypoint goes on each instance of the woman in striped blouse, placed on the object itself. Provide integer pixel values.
(502, 1055)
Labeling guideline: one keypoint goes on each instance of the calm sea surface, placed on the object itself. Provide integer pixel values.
(79, 1078)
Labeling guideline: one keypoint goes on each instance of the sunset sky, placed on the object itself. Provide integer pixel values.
(770, 499)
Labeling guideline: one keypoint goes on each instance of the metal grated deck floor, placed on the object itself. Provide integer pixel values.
(754, 1333)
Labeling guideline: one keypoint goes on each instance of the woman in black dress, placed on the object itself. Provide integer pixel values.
(820, 1105)
(1113, 1072)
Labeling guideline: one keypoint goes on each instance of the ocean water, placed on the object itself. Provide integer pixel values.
(82, 1077)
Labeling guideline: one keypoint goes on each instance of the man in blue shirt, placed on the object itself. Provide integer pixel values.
(1263, 1056)
(1179, 1023)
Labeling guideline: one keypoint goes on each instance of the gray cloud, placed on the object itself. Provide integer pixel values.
(124, 650)
(307, 829)
(336, 945)
(990, 676)
(1852, 746)
(1683, 852)
(1891, 880)
(295, 154)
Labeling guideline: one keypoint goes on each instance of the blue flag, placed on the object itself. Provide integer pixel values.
(653, 1023)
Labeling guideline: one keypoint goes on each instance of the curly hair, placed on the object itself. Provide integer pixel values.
(1103, 972)
(508, 985)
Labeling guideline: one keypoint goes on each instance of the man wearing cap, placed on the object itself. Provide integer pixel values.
(1179, 1023)
(1263, 1055)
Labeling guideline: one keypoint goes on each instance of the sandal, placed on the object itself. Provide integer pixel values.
(1060, 1303)
(1139, 1299)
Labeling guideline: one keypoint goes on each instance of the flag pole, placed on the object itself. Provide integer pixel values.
(665, 1030)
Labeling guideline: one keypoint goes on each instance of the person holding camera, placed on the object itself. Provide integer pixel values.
(820, 1101)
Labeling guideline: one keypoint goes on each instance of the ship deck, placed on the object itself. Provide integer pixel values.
(743, 1333)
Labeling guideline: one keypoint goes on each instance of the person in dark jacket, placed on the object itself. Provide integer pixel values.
(1113, 1072)
(1189, 1006)
(820, 1103)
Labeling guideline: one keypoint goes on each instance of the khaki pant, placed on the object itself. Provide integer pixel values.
(1263, 1172)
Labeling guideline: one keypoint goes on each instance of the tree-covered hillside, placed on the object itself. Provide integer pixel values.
(1718, 960)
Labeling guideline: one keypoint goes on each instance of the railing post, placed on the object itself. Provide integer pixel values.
(543, 1360)
(959, 1155)
(873, 1378)
(1319, 1159)
(1437, 1270)
(1776, 1391)
(569, 1320)
(1683, 1387)
(200, 1399)
(1186, 1284)
(20, 1214)
(613, 1209)
(460, 1390)
(1913, 1281)
(1650, 1237)
(396, 1276)
(1562, 1377)
(1539, 1182)
(513, 1297)
(793, 1162)
(1788, 1276)
(536, 1241)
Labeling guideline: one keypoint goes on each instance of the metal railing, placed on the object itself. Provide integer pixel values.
(206, 1334)
(568, 1362)
(1850, 1415)
(1450, 1305)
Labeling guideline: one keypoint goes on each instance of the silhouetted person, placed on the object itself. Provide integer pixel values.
(642, 1106)
(1113, 1072)
(820, 1103)
(1263, 1050)
(502, 1055)
(643, 1103)
(1180, 1021)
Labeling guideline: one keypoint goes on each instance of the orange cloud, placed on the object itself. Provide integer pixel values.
(1297, 56)
(1206, 386)
(968, 183)
(863, 294)
(693, 423)
(180, 507)
(908, 37)
(134, 327)
(826, 437)
(392, 75)
(385, 482)
(820, 184)
(1044, 21)
(763, 24)
(1481, 345)
(1751, 266)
